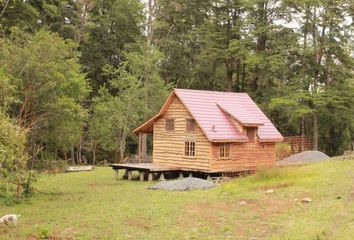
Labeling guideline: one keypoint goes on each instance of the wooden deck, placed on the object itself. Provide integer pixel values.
(147, 167)
(149, 171)
(146, 170)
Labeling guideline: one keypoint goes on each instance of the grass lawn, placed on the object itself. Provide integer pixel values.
(92, 205)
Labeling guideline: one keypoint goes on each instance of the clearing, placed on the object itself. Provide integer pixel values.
(92, 205)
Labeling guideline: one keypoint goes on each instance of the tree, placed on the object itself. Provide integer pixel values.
(44, 70)
(114, 117)
(127, 100)
(113, 25)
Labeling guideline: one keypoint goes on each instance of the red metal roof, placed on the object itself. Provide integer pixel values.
(213, 111)
(210, 109)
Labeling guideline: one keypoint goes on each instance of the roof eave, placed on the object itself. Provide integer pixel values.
(147, 124)
(229, 140)
(238, 120)
(271, 140)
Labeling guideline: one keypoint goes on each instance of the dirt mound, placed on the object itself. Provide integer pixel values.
(303, 158)
(185, 184)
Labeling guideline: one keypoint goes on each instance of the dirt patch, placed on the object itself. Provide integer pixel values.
(138, 223)
(216, 214)
(275, 186)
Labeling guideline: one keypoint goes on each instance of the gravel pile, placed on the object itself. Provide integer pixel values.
(303, 158)
(185, 184)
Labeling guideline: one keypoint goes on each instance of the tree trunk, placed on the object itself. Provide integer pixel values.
(243, 75)
(302, 133)
(94, 152)
(122, 146)
(229, 81)
(149, 23)
(315, 131)
(73, 155)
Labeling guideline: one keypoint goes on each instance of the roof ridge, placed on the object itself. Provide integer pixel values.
(211, 91)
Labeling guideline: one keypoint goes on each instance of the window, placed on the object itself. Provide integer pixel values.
(189, 149)
(250, 134)
(190, 125)
(170, 124)
(224, 150)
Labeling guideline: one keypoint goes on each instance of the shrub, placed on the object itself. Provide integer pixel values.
(50, 166)
(282, 150)
(12, 159)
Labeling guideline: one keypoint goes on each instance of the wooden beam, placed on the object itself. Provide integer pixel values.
(130, 175)
(150, 176)
(141, 176)
(162, 177)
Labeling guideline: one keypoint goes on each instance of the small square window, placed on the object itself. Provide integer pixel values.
(170, 124)
(190, 125)
(251, 133)
(224, 150)
(189, 149)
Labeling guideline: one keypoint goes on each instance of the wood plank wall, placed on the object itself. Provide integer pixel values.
(244, 156)
(168, 146)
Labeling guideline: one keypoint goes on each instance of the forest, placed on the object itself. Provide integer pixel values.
(77, 76)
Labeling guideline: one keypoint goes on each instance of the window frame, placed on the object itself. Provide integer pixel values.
(224, 148)
(189, 120)
(166, 124)
(190, 149)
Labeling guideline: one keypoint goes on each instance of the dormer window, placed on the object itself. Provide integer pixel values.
(190, 126)
(170, 124)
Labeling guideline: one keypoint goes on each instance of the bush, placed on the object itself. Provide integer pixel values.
(282, 150)
(12, 159)
(50, 166)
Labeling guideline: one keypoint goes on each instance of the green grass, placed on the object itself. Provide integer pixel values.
(92, 205)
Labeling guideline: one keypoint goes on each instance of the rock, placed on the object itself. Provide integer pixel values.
(270, 191)
(185, 184)
(303, 158)
(306, 200)
(242, 203)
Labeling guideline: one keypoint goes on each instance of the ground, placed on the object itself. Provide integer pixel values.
(92, 205)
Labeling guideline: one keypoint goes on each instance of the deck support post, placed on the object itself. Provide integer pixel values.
(150, 177)
(125, 176)
(162, 177)
(190, 175)
(141, 176)
(209, 177)
(130, 175)
(180, 176)
(117, 174)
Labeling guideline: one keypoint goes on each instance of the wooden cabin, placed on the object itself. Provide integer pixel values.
(211, 132)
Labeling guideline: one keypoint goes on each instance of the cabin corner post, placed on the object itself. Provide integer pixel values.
(139, 148)
(142, 147)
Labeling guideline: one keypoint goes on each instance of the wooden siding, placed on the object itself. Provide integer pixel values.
(168, 146)
(244, 156)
